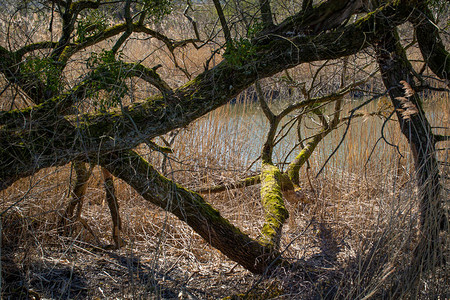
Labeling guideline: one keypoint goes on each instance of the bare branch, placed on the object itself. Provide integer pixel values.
(192, 21)
(223, 22)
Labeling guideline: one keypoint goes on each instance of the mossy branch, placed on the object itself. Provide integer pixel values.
(84, 4)
(273, 204)
(149, 75)
(18, 54)
(159, 148)
(303, 156)
(285, 182)
(249, 181)
(190, 208)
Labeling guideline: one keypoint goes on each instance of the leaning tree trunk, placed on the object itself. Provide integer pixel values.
(54, 140)
(430, 43)
(190, 207)
(397, 74)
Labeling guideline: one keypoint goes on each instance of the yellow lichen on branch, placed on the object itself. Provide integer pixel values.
(274, 208)
(301, 158)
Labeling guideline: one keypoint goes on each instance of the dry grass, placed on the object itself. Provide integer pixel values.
(354, 238)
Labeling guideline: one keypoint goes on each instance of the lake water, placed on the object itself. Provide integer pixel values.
(233, 135)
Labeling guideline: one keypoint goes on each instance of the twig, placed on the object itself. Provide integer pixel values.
(346, 130)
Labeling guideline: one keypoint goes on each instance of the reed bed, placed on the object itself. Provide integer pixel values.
(354, 235)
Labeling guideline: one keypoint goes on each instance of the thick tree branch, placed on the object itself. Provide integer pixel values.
(275, 212)
(430, 43)
(191, 208)
(128, 30)
(62, 104)
(33, 47)
(93, 133)
(266, 13)
(249, 181)
(325, 16)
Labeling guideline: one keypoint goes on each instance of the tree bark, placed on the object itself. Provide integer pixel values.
(273, 204)
(398, 78)
(113, 204)
(77, 194)
(191, 208)
(266, 13)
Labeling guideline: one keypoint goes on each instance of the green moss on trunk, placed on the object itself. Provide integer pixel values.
(274, 208)
(191, 208)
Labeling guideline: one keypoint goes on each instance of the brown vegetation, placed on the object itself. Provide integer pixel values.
(314, 190)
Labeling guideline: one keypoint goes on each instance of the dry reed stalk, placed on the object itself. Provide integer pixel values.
(360, 228)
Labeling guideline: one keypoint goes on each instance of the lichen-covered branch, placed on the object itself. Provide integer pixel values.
(249, 181)
(294, 167)
(275, 212)
(148, 75)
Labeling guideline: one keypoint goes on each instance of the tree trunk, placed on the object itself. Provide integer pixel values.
(77, 194)
(274, 208)
(430, 44)
(191, 208)
(111, 199)
(398, 78)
